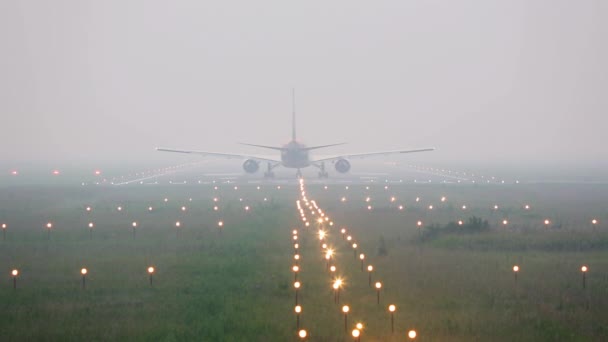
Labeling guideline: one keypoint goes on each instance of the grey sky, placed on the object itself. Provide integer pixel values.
(496, 81)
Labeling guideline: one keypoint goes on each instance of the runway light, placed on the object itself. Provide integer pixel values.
(359, 326)
(356, 333)
(505, 222)
(411, 334)
(302, 333)
(378, 287)
(594, 222)
(460, 223)
(15, 273)
(547, 222)
(84, 272)
(345, 310)
(391, 309)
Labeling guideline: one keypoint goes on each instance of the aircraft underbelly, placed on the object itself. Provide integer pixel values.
(295, 164)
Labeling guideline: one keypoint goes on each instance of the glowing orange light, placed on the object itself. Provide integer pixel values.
(370, 268)
(296, 284)
(378, 285)
(392, 308)
(411, 334)
(515, 268)
(83, 271)
(298, 309)
(359, 326)
(302, 333)
(220, 223)
(584, 269)
(356, 333)
(345, 309)
(150, 269)
(15, 272)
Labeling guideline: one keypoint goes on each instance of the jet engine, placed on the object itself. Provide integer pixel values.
(342, 165)
(251, 166)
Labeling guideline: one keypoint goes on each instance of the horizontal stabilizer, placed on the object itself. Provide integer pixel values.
(264, 146)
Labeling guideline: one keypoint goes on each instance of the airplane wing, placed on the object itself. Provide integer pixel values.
(221, 155)
(369, 154)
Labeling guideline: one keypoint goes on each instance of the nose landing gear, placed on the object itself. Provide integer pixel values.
(269, 173)
(322, 172)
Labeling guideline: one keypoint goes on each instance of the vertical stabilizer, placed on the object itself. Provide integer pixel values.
(293, 114)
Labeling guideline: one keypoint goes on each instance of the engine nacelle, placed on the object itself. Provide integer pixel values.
(342, 166)
(251, 166)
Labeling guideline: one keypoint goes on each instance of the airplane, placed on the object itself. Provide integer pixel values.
(294, 155)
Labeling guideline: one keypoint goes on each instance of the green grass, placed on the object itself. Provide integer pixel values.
(237, 285)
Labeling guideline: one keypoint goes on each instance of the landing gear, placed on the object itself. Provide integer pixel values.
(269, 173)
(322, 172)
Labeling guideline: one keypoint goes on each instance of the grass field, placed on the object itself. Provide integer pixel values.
(235, 283)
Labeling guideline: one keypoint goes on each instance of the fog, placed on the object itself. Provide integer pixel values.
(485, 82)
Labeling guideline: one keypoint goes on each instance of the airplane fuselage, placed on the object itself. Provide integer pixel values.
(295, 155)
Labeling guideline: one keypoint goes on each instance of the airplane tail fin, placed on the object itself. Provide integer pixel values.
(293, 114)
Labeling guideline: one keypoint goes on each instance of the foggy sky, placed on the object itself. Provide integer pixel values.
(482, 81)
